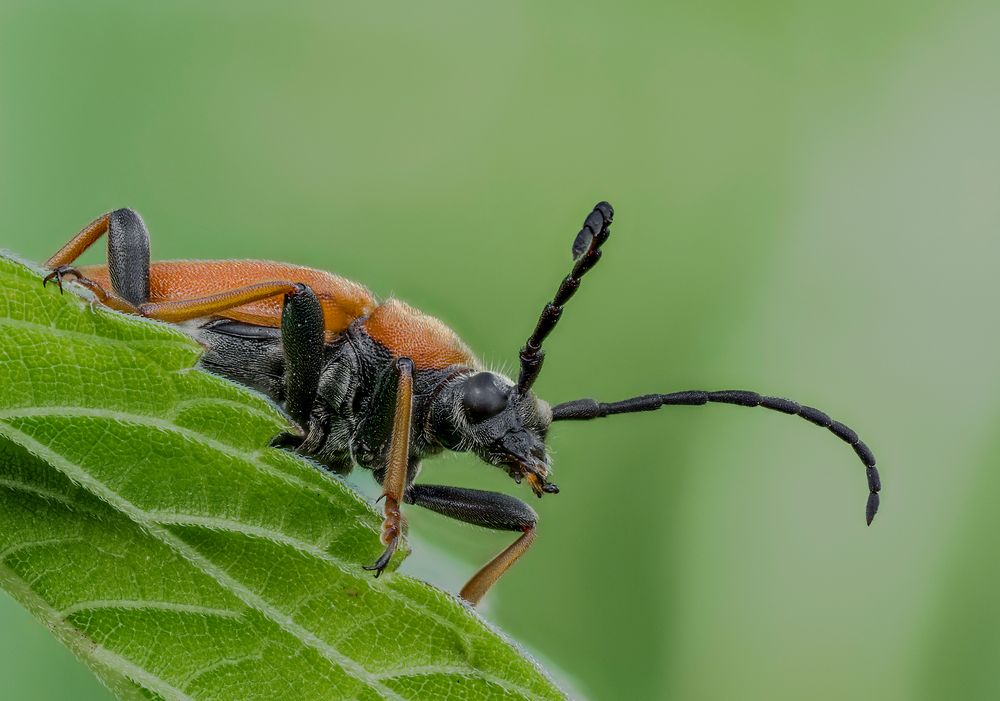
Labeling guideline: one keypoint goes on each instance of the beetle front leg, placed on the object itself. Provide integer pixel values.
(395, 474)
(489, 510)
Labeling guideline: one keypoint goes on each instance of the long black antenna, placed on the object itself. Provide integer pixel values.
(586, 253)
(584, 409)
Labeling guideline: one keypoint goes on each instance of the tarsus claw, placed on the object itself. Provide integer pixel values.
(58, 275)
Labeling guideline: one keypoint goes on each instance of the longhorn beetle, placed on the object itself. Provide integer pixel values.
(380, 385)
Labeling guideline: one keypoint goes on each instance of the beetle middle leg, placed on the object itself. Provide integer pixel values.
(302, 337)
(395, 474)
(489, 510)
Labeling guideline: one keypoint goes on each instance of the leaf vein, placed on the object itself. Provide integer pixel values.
(452, 670)
(147, 605)
(164, 425)
(252, 599)
(83, 646)
(41, 543)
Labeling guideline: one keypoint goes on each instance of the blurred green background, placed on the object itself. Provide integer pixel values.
(807, 197)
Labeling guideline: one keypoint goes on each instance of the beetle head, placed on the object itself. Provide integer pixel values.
(483, 413)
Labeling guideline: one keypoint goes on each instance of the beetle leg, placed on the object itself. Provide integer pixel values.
(63, 271)
(128, 256)
(302, 323)
(488, 509)
(475, 589)
(83, 240)
(302, 336)
(178, 310)
(397, 463)
(108, 300)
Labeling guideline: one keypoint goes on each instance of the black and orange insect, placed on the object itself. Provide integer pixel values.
(380, 385)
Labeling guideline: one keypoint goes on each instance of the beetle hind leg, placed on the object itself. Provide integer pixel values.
(81, 241)
(65, 271)
(302, 321)
(128, 258)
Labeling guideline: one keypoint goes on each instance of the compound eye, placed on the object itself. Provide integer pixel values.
(484, 396)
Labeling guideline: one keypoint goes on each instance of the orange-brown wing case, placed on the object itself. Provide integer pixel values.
(406, 331)
(343, 301)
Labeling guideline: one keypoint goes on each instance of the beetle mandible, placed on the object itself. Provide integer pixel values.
(380, 385)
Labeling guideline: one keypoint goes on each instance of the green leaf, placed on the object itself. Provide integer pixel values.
(145, 521)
